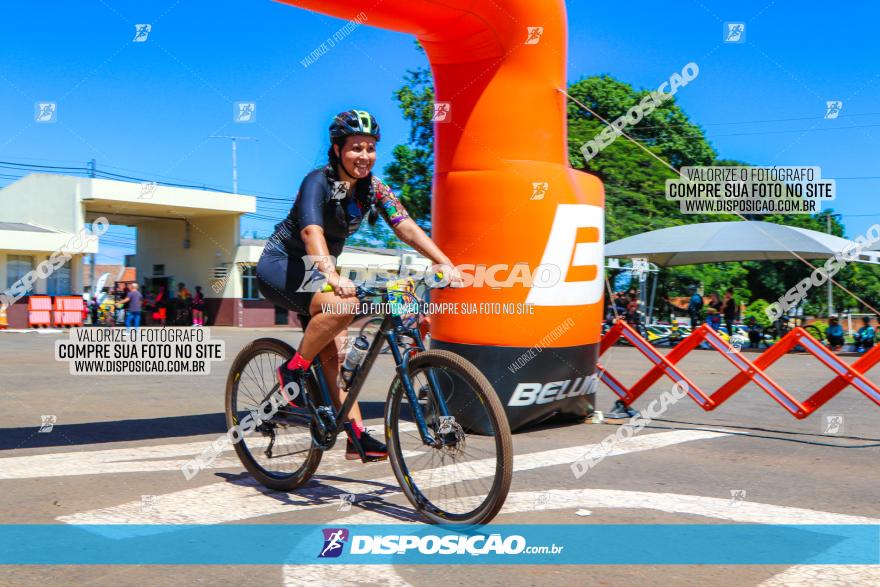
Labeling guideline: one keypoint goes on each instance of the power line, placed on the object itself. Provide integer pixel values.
(779, 132)
(761, 132)
(788, 119)
(12, 165)
(118, 176)
(766, 121)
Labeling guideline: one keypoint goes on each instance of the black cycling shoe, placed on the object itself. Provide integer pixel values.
(374, 450)
(291, 381)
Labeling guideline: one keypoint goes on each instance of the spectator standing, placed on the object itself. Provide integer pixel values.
(619, 304)
(148, 306)
(713, 318)
(93, 309)
(755, 332)
(133, 313)
(119, 305)
(695, 306)
(728, 310)
(632, 308)
(161, 313)
(715, 301)
(198, 307)
(183, 305)
(834, 334)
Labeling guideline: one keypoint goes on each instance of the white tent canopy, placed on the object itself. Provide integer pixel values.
(715, 242)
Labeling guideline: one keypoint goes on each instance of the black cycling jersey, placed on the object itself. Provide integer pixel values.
(322, 200)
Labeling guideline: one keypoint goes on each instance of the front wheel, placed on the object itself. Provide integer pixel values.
(464, 476)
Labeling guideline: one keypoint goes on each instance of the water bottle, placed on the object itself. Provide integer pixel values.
(353, 360)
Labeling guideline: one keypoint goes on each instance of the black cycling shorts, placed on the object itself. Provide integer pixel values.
(279, 277)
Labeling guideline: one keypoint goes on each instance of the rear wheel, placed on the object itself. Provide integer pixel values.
(278, 452)
(465, 476)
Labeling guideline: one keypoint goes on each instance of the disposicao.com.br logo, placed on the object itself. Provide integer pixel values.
(429, 544)
(334, 540)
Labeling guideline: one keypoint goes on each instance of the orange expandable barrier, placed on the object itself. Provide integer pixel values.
(749, 371)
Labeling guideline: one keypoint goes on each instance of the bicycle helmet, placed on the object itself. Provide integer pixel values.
(353, 122)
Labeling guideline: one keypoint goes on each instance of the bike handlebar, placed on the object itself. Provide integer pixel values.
(362, 291)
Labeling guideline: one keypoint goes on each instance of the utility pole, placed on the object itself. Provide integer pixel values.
(830, 285)
(234, 140)
(92, 168)
(92, 276)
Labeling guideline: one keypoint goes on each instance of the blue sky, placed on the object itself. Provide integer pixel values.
(146, 109)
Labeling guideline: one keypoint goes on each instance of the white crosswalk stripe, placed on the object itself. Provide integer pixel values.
(138, 459)
(244, 499)
(573, 499)
(100, 462)
(233, 501)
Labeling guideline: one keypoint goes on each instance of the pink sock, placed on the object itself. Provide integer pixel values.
(298, 362)
(357, 427)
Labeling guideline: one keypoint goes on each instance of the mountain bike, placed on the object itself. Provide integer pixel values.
(448, 438)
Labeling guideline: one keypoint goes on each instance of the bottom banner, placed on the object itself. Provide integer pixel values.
(592, 544)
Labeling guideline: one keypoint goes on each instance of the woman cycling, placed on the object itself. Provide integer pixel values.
(331, 204)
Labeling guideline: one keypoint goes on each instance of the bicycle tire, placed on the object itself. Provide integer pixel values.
(313, 458)
(469, 374)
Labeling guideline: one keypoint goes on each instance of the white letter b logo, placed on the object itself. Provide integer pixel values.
(575, 245)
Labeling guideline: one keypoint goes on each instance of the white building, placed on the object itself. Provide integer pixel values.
(183, 235)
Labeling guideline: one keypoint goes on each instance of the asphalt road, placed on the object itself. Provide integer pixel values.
(120, 439)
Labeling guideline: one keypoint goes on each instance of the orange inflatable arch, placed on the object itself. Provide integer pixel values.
(504, 194)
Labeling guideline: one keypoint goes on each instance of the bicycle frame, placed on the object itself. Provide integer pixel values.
(391, 330)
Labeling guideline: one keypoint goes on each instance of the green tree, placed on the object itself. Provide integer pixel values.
(411, 170)
(634, 176)
(757, 309)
